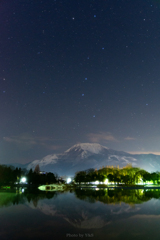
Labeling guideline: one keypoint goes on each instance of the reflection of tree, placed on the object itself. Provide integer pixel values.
(116, 196)
(9, 198)
(34, 195)
(153, 193)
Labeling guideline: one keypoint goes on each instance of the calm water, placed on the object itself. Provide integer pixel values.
(87, 214)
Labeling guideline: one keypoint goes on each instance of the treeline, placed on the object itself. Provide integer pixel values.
(10, 175)
(37, 178)
(125, 175)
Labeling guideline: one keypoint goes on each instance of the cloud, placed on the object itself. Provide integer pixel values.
(97, 137)
(20, 139)
(129, 138)
(26, 141)
(144, 152)
(144, 216)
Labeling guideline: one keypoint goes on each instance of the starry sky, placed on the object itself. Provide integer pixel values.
(78, 71)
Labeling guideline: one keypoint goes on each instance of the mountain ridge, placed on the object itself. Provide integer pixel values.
(83, 156)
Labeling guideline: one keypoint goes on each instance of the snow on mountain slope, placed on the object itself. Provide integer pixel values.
(83, 151)
(49, 159)
(90, 147)
(126, 159)
(73, 156)
(92, 155)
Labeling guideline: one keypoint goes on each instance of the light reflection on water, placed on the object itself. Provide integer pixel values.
(83, 213)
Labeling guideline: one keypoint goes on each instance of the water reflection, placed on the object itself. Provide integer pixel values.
(116, 196)
(21, 196)
(106, 196)
(86, 210)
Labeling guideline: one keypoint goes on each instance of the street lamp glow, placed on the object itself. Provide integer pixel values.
(23, 180)
(106, 181)
(69, 180)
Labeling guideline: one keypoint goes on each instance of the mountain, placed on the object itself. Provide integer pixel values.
(18, 165)
(92, 155)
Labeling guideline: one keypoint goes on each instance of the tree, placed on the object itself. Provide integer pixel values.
(154, 177)
(80, 177)
(110, 178)
(146, 177)
(37, 169)
(139, 175)
(125, 179)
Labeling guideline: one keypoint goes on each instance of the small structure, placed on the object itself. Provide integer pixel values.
(42, 172)
(52, 187)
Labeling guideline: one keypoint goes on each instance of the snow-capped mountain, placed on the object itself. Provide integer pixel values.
(92, 155)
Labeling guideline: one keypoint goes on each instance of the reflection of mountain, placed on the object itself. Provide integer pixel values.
(87, 208)
(95, 209)
(88, 223)
(86, 155)
(89, 214)
(78, 213)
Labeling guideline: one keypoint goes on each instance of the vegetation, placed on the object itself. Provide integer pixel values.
(10, 175)
(127, 175)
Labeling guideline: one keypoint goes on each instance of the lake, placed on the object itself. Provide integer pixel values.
(80, 214)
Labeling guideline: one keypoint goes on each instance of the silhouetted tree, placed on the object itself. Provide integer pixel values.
(37, 169)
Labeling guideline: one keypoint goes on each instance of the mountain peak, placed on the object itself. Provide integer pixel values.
(90, 147)
(83, 156)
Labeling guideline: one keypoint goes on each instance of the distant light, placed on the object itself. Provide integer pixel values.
(106, 181)
(69, 180)
(96, 182)
(95, 16)
(23, 180)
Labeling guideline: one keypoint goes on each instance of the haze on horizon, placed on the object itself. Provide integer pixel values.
(78, 71)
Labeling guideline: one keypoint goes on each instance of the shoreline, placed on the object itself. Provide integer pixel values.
(121, 187)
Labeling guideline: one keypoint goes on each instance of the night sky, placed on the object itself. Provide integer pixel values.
(74, 71)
